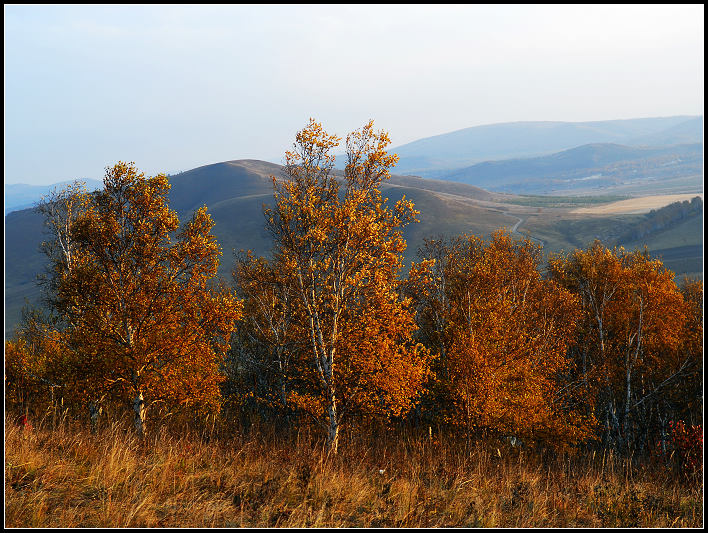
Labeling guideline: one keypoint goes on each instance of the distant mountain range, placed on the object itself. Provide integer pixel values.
(438, 156)
(21, 196)
(598, 167)
(620, 158)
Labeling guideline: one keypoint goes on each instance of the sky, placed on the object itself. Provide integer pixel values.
(172, 88)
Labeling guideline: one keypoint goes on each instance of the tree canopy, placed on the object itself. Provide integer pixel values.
(142, 320)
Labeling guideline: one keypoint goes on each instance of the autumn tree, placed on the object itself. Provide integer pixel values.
(342, 246)
(629, 346)
(32, 385)
(500, 334)
(60, 209)
(269, 338)
(144, 322)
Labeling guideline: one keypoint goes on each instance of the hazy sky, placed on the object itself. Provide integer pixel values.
(176, 87)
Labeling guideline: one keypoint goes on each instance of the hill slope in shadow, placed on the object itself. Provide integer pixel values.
(235, 193)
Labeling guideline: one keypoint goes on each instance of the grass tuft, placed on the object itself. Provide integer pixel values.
(70, 477)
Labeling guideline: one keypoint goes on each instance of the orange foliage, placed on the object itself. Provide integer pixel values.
(630, 346)
(142, 319)
(501, 333)
(328, 328)
(343, 253)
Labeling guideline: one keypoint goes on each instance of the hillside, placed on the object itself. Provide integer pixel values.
(687, 132)
(237, 478)
(235, 192)
(673, 233)
(434, 157)
(590, 168)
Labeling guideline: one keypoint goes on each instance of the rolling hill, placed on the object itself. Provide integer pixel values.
(590, 168)
(234, 192)
(434, 157)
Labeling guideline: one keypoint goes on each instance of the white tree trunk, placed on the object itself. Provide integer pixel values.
(139, 408)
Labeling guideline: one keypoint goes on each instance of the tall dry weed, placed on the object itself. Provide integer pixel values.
(69, 477)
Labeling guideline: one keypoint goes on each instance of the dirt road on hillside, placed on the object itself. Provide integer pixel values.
(515, 228)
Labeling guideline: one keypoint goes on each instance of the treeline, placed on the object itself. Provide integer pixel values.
(477, 339)
(666, 217)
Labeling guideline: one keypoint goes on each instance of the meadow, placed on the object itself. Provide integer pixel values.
(223, 476)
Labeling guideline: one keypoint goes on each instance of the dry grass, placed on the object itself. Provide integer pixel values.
(72, 478)
(643, 204)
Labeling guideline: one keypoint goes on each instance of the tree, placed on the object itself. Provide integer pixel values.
(500, 332)
(269, 337)
(632, 326)
(60, 210)
(343, 251)
(143, 320)
(28, 372)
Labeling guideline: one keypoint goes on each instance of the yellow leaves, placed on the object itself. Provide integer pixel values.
(340, 256)
(501, 330)
(138, 305)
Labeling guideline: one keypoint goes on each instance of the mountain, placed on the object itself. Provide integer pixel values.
(603, 167)
(435, 156)
(22, 196)
(687, 132)
(235, 192)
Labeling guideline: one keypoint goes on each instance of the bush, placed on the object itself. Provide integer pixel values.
(686, 447)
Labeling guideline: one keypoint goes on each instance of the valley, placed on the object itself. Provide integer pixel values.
(561, 184)
(236, 191)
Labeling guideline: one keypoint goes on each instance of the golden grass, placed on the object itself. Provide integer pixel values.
(72, 478)
(642, 204)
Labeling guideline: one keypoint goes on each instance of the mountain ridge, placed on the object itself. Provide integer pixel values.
(435, 155)
(611, 161)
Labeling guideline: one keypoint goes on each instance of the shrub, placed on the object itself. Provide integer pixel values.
(686, 447)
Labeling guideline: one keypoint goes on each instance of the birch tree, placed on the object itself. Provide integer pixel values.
(144, 321)
(343, 249)
(633, 325)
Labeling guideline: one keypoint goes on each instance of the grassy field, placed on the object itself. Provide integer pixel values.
(70, 477)
(642, 204)
(562, 201)
(680, 245)
(563, 232)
